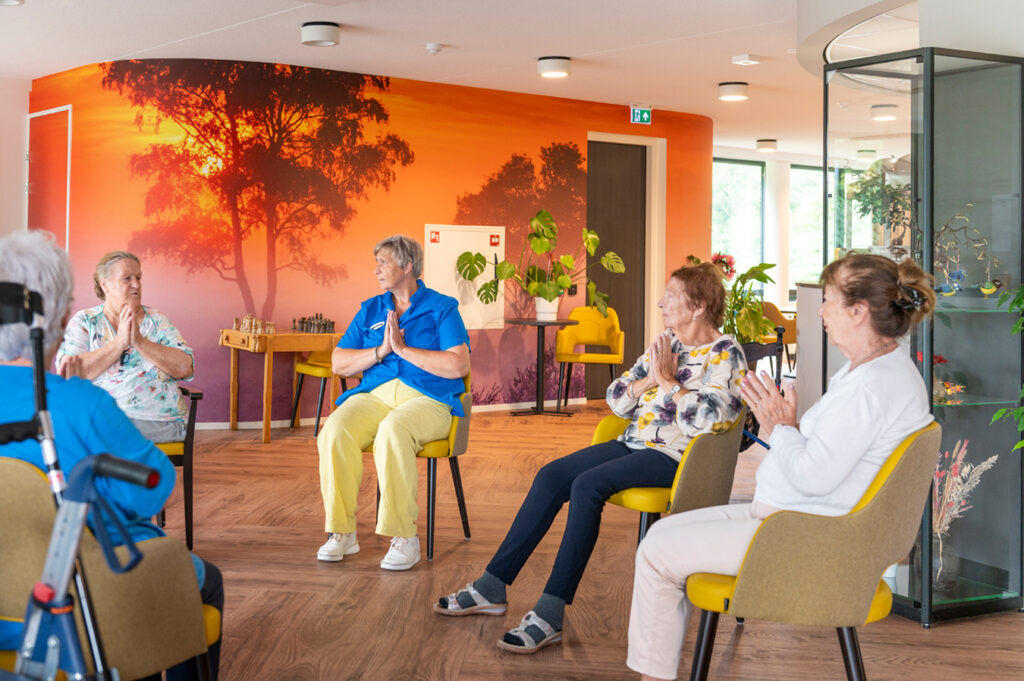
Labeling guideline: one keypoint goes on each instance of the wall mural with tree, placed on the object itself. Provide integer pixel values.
(262, 188)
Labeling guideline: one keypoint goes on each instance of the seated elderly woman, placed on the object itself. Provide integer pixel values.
(823, 465)
(413, 349)
(131, 351)
(686, 384)
(86, 420)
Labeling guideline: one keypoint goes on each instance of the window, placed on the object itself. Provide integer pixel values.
(737, 211)
(805, 223)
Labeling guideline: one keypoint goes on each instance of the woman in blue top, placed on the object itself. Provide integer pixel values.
(86, 420)
(413, 349)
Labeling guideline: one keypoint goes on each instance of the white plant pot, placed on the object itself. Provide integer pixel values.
(546, 311)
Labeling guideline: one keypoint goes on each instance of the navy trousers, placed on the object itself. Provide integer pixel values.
(585, 479)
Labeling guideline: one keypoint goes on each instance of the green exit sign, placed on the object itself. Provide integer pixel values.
(640, 114)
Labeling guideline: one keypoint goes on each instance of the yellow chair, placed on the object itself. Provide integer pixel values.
(592, 329)
(703, 477)
(788, 325)
(151, 618)
(451, 447)
(825, 571)
(318, 364)
(180, 454)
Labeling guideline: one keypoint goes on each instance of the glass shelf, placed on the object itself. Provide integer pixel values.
(968, 400)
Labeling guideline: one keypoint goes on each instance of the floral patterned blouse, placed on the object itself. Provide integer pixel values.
(139, 387)
(711, 372)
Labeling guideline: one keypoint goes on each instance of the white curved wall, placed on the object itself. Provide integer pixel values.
(14, 142)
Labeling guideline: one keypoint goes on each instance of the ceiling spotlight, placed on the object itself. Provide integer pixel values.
(732, 92)
(434, 48)
(321, 33)
(865, 154)
(746, 59)
(767, 146)
(883, 112)
(554, 67)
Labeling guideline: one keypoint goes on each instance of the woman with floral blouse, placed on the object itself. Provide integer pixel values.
(131, 351)
(687, 383)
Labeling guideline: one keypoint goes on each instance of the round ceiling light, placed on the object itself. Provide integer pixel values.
(767, 146)
(11, 3)
(883, 112)
(321, 33)
(554, 67)
(732, 92)
(866, 154)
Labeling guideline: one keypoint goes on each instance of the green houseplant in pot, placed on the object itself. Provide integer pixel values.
(540, 272)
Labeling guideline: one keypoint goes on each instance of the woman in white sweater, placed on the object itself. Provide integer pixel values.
(823, 465)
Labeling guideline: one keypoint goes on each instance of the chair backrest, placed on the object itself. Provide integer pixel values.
(592, 328)
(706, 469)
(458, 436)
(772, 313)
(757, 351)
(151, 618)
(320, 357)
(824, 571)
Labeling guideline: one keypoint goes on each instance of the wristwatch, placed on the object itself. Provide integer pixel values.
(672, 393)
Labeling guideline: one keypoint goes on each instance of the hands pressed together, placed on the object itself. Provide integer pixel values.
(770, 407)
(394, 337)
(664, 363)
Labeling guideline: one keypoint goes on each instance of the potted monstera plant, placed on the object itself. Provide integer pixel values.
(540, 270)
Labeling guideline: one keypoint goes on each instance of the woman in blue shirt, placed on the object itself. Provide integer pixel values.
(413, 349)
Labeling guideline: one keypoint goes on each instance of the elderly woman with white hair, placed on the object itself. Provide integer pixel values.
(131, 351)
(413, 349)
(86, 420)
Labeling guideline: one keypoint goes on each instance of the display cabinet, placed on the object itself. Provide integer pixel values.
(924, 155)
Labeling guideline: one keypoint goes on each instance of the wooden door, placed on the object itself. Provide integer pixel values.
(617, 211)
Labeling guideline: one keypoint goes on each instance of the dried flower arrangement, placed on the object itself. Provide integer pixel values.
(954, 481)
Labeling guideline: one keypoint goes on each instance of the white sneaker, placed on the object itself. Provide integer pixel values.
(403, 554)
(338, 546)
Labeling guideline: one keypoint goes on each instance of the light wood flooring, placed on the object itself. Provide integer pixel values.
(290, 617)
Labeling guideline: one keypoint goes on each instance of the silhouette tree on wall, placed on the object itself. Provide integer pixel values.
(511, 196)
(266, 147)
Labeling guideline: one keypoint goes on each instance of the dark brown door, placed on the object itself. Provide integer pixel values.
(616, 210)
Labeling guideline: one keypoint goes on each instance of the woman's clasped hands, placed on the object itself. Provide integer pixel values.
(770, 407)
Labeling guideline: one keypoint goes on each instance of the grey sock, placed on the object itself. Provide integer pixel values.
(551, 609)
(489, 586)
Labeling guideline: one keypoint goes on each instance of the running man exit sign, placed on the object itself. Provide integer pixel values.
(640, 114)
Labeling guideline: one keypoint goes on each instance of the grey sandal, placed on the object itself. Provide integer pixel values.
(531, 635)
(449, 605)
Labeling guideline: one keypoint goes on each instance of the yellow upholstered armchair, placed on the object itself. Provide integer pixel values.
(703, 478)
(825, 571)
(592, 329)
(150, 618)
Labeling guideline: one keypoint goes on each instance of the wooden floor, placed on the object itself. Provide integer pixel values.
(289, 617)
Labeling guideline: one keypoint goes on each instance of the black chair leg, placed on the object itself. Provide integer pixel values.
(161, 518)
(186, 482)
(203, 671)
(431, 497)
(295, 402)
(852, 659)
(319, 406)
(705, 642)
(568, 382)
(459, 496)
(646, 520)
(561, 379)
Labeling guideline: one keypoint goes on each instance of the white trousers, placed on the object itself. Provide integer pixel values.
(713, 539)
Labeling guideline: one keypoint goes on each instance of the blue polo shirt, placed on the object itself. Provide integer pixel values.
(432, 322)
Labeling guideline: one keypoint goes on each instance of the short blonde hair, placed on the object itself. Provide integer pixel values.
(104, 266)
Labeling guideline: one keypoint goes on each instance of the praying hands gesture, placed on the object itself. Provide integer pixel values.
(770, 407)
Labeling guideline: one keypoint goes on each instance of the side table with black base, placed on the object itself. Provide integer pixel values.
(541, 325)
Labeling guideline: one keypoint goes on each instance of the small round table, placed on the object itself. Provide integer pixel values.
(541, 325)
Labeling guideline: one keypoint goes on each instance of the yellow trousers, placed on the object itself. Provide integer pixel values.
(397, 420)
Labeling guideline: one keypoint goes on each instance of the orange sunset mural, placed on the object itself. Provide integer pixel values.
(262, 188)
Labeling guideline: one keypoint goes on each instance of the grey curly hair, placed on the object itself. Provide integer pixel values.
(404, 250)
(31, 258)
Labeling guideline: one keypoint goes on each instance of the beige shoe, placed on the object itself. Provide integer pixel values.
(337, 547)
(403, 554)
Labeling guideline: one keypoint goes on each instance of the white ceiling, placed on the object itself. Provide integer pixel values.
(669, 54)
